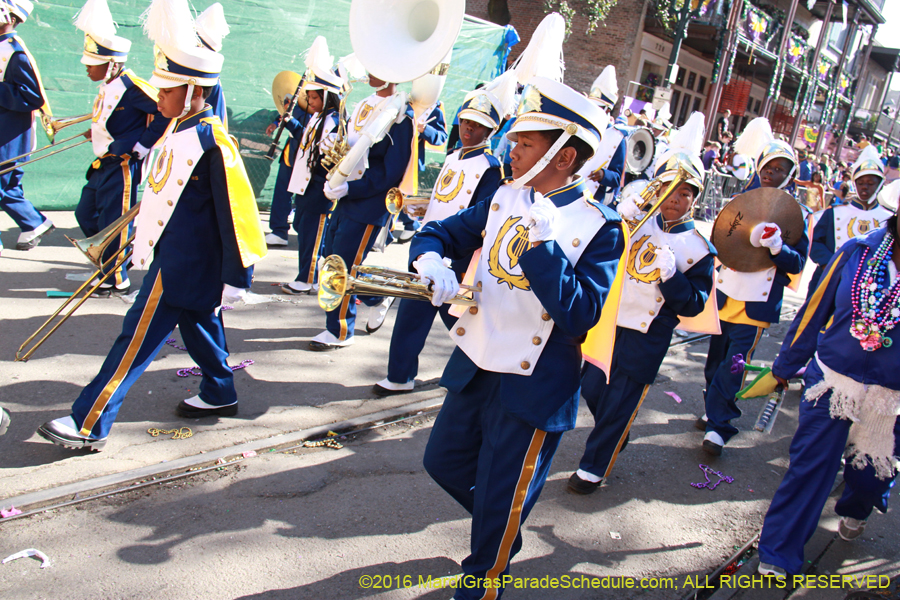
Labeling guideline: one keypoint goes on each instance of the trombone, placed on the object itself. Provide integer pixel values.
(335, 282)
(652, 190)
(93, 248)
(51, 127)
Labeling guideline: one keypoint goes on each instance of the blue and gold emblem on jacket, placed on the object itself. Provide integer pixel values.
(446, 191)
(514, 237)
(640, 260)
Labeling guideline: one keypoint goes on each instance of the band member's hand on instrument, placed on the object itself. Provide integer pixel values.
(767, 235)
(596, 175)
(139, 151)
(544, 214)
(327, 142)
(420, 127)
(782, 382)
(665, 259)
(432, 268)
(628, 208)
(270, 129)
(336, 193)
(87, 134)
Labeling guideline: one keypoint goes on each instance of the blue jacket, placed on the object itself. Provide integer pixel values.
(612, 173)
(128, 123)
(216, 99)
(823, 326)
(388, 159)
(198, 250)
(823, 242)
(20, 95)
(685, 295)
(574, 297)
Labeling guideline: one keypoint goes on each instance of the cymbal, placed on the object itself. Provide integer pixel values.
(731, 231)
(283, 86)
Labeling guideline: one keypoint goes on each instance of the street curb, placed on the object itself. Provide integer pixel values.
(118, 481)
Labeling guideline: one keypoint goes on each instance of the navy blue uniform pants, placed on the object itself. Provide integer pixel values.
(721, 384)
(13, 202)
(495, 466)
(310, 225)
(145, 328)
(614, 406)
(108, 194)
(414, 319)
(282, 200)
(816, 452)
(351, 241)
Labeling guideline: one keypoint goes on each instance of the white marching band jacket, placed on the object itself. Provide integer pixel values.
(300, 173)
(746, 287)
(363, 111)
(105, 104)
(641, 296)
(612, 137)
(456, 183)
(168, 176)
(508, 329)
(851, 222)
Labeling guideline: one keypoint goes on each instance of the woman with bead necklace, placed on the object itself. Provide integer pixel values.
(852, 399)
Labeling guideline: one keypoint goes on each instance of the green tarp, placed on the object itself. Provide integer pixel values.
(266, 38)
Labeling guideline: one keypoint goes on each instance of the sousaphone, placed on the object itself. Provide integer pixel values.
(731, 231)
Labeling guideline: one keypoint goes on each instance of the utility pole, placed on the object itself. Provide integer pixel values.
(826, 23)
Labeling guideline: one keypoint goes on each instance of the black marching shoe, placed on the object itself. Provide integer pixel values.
(64, 432)
(110, 291)
(580, 486)
(195, 408)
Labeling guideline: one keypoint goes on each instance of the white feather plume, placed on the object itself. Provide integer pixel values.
(889, 195)
(94, 18)
(665, 113)
(318, 57)
(755, 136)
(169, 23)
(503, 88)
(689, 137)
(212, 26)
(349, 68)
(870, 152)
(544, 54)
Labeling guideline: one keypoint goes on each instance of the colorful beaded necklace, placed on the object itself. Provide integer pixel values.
(876, 305)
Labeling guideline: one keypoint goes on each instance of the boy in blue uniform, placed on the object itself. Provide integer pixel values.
(198, 229)
(549, 255)
(282, 199)
(748, 304)
(469, 175)
(21, 93)
(125, 125)
(846, 333)
(361, 212)
(670, 275)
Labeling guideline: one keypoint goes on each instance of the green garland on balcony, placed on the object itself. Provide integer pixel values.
(596, 11)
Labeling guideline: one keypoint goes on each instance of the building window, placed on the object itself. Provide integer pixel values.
(679, 79)
(692, 77)
(683, 113)
(673, 103)
(696, 104)
(756, 107)
(702, 85)
(749, 103)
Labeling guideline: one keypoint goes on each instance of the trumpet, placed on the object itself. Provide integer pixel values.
(652, 189)
(396, 201)
(92, 247)
(336, 282)
(51, 128)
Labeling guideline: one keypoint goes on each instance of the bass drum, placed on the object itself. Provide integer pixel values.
(641, 149)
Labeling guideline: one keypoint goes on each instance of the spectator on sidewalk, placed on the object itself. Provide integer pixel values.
(711, 155)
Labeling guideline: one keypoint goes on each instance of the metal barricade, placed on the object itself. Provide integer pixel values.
(718, 189)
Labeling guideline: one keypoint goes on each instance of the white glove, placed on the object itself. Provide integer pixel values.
(232, 295)
(544, 215)
(432, 268)
(665, 261)
(140, 150)
(628, 208)
(336, 193)
(767, 235)
(327, 143)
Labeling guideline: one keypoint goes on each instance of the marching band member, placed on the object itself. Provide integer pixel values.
(845, 331)
(211, 30)
(670, 275)
(21, 93)
(198, 229)
(858, 217)
(282, 199)
(469, 175)
(431, 128)
(361, 211)
(748, 304)
(549, 256)
(307, 183)
(125, 125)
(604, 171)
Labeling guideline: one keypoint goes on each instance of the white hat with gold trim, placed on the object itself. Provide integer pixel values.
(320, 74)
(605, 90)
(491, 104)
(212, 27)
(20, 8)
(180, 59)
(101, 44)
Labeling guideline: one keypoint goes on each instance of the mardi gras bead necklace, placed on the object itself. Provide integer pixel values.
(876, 304)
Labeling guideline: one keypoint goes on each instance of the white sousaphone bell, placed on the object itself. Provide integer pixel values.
(399, 41)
